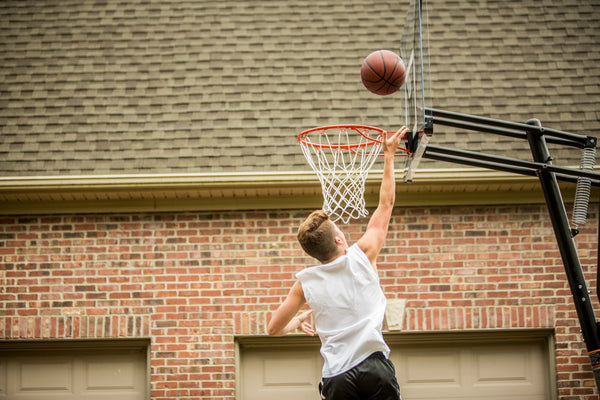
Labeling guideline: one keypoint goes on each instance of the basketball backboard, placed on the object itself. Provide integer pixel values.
(415, 94)
(342, 155)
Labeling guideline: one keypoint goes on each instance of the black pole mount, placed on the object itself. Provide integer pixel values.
(548, 175)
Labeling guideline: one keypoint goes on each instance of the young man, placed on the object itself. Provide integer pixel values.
(346, 298)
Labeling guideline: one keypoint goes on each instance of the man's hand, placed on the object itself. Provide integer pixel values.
(304, 323)
(285, 320)
(300, 321)
(391, 143)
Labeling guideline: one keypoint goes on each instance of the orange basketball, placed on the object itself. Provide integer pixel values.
(383, 72)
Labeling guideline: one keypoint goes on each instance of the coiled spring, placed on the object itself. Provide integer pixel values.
(582, 193)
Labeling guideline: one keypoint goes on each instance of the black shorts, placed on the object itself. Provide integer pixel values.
(372, 379)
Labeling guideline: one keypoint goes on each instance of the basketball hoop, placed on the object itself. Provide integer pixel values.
(341, 156)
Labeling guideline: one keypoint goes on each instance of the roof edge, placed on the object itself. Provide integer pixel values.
(250, 190)
(69, 182)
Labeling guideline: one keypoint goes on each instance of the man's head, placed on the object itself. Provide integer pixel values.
(320, 237)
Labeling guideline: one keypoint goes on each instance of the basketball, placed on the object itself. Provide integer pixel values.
(383, 72)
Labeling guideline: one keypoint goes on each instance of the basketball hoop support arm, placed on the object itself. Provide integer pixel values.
(548, 174)
(566, 245)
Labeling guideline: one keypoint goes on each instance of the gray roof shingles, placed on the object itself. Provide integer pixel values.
(155, 87)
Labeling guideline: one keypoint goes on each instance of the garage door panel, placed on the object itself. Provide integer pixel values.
(277, 374)
(43, 375)
(441, 368)
(115, 374)
(276, 371)
(493, 368)
(514, 370)
(456, 369)
(509, 365)
(496, 371)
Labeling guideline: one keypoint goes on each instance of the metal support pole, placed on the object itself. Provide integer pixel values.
(548, 174)
(566, 244)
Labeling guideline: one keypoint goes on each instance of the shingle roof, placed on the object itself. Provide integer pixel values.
(158, 87)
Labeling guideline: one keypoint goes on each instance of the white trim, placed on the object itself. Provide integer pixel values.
(252, 191)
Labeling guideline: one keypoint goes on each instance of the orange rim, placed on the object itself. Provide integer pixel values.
(357, 128)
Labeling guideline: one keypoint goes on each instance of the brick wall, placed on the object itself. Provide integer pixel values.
(193, 281)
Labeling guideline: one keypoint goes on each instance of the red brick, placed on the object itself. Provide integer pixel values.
(182, 276)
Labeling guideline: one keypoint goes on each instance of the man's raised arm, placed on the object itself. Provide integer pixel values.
(372, 240)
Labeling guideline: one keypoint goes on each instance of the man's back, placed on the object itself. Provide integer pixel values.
(348, 305)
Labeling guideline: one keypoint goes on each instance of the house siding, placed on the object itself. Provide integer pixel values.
(193, 282)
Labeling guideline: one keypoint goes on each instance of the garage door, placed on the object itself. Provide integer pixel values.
(494, 371)
(427, 367)
(281, 373)
(67, 373)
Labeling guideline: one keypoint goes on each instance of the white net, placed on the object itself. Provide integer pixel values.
(342, 156)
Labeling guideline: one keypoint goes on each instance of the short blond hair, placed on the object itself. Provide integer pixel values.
(317, 236)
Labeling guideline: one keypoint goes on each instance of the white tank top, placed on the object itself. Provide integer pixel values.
(348, 305)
